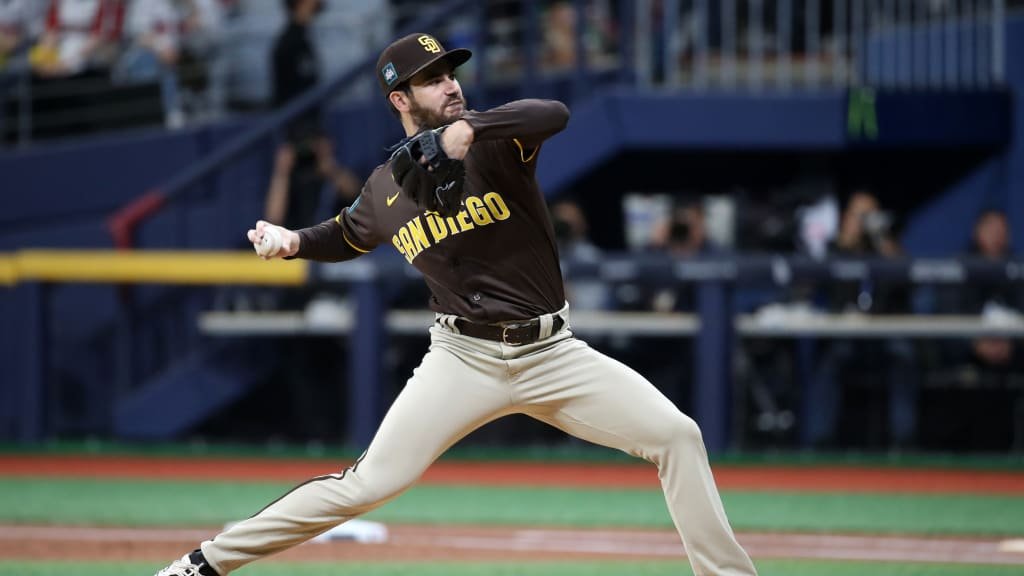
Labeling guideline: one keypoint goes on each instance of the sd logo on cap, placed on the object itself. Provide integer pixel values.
(407, 56)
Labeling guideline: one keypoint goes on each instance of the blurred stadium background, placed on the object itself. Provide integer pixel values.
(801, 219)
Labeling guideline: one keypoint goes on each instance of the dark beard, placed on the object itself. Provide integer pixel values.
(428, 119)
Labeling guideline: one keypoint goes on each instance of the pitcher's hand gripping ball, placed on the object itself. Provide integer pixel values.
(426, 174)
(271, 243)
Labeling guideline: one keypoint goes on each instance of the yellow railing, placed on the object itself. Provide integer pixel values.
(148, 267)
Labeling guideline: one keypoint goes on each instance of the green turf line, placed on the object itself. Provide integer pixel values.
(142, 503)
(564, 452)
(895, 513)
(611, 568)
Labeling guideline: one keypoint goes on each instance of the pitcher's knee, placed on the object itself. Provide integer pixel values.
(361, 492)
(684, 430)
(677, 434)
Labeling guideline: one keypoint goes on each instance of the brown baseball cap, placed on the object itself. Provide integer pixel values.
(407, 56)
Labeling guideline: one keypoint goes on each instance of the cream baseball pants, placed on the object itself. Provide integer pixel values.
(463, 383)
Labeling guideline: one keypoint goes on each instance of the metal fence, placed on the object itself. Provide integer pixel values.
(754, 44)
(949, 44)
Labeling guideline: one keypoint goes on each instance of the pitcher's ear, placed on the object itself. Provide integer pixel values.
(399, 99)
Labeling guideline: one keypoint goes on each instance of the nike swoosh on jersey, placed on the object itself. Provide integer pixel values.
(391, 199)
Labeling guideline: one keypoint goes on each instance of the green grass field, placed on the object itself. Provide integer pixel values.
(142, 503)
(160, 503)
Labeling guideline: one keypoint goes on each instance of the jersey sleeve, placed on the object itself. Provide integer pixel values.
(359, 223)
(348, 235)
(526, 122)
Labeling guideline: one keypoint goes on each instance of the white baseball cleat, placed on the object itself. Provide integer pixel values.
(182, 567)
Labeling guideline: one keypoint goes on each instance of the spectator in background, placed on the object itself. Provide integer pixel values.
(559, 37)
(683, 235)
(70, 64)
(559, 31)
(79, 35)
(984, 409)
(574, 245)
(865, 232)
(20, 24)
(202, 66)
(993, 356)
(305, 162)
(153, 34)
(865, 229)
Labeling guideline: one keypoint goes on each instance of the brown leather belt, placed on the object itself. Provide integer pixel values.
(513, 334)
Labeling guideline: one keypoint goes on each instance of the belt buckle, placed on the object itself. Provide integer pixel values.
(505, 335)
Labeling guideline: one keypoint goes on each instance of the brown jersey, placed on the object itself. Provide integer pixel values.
(496, 260)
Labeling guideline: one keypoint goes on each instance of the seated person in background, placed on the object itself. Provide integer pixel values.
(574, 245)
(153, 36)
(990, 241)
(684, 235)
(79, 34)
(20, 22)
(865, 229)
(865, 232)
(980, 401)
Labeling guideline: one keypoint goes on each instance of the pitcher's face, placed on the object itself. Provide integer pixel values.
(435, 97)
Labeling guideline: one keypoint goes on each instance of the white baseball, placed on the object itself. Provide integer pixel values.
(271, 243)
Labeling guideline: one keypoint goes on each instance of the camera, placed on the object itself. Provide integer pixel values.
(877, 222)
(679, 232)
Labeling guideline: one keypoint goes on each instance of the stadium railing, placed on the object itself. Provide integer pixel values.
(714, 327)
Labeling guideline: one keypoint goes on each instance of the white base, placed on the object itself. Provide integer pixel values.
(1016, 545)
(362, 531)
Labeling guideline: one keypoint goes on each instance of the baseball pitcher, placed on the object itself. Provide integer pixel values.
(458, 199)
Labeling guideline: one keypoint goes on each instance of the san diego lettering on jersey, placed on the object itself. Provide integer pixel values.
(428, 229)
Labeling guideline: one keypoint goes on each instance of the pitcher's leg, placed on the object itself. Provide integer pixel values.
(442, 402)
(598, 399)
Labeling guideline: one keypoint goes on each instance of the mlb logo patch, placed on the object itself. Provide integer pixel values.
(390, 74)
